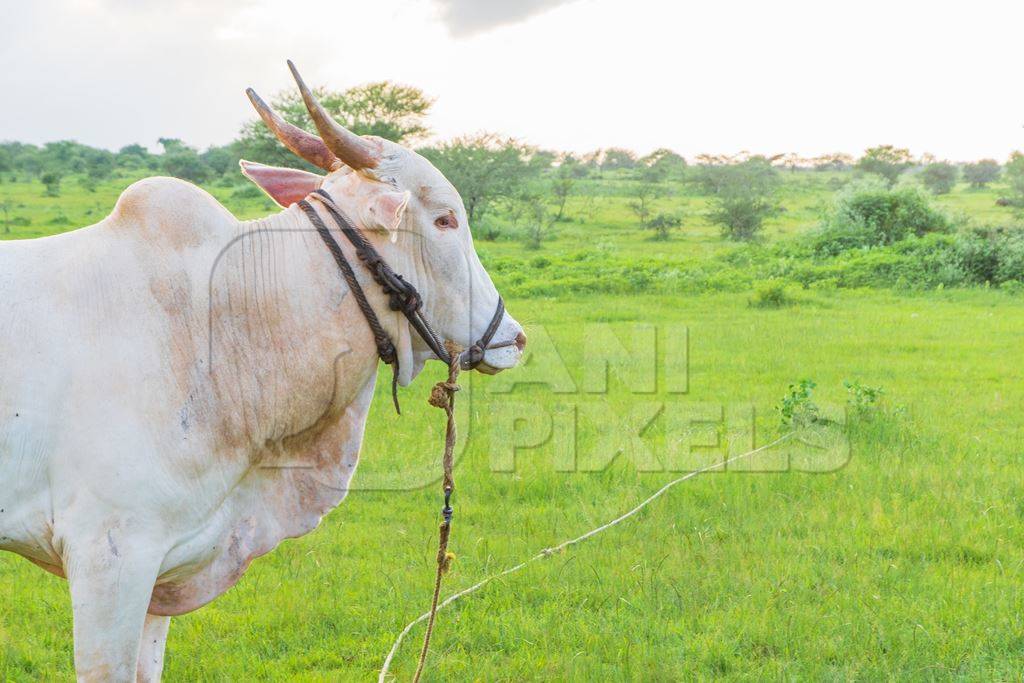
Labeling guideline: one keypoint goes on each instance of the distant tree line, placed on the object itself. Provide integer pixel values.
(530, 189)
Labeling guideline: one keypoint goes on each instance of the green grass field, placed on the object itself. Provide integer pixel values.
(905, 563)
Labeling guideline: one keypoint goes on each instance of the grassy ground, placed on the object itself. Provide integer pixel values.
(905, 563)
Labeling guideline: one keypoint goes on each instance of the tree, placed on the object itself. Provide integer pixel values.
(836, 161)
(6, 163)
(562, 187)
(23, 158)
(483, 168)
(221, 160)
(391, 111)
(181, 161)
(1013, 174)
(617, 158)
(940, 177)
(648, 189)
(136, 156)
(539, 218)
(742, 196)
(665, 160)
(543, 159)
(574, 166)
(790, 160)
(886, 161)
(51, 179)
(982, 173)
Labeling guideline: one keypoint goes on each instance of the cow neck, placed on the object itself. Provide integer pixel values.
(368, 259)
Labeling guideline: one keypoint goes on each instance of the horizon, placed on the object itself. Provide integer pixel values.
(132, 73)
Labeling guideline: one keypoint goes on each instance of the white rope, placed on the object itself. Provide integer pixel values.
(547, 552)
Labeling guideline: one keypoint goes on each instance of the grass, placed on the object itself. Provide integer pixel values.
(903, 564)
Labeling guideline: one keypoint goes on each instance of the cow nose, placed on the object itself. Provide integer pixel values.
(520, 341)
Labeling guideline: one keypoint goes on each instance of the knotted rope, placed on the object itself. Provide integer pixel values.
(443, 396)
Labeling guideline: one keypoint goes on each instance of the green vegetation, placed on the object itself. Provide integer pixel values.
(1014, 176)
(898, 563)
(981, 173)
(742, 196)
(940, 177)
(905, 308)
(886, 161)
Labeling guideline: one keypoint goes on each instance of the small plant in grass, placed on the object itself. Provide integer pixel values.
(60, 218)
(863, 399)
(771, 294)
(797, 409)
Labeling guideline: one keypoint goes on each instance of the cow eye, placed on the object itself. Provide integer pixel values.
(447, 222)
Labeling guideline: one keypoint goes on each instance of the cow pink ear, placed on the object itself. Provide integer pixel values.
(284, 185)
(385, 211)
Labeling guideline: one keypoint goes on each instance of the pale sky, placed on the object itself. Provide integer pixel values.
(806, 76)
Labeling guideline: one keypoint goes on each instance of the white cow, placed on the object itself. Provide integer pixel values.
(180, 391)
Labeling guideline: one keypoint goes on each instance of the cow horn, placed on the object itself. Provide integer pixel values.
(309, 147)
(355, 151)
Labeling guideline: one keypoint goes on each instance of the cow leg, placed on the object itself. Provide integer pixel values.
(111, 586)
(151, 653)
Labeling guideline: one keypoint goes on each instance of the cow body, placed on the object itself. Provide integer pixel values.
(179, 392)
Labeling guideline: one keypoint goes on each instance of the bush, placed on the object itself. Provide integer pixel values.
(797, 409)
(861, 398)
(662, 224)
(869, 215)
(989, 256)
(771, 294)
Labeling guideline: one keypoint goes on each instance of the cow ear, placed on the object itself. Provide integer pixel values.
(284, 185)
(385, 210)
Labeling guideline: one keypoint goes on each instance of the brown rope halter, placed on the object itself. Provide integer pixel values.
(402, 296)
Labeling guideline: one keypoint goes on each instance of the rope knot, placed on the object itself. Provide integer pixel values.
(446, 561)
(441, 394)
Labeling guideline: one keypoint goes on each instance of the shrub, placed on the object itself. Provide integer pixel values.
(796, 408)
(1013, 287)
(863, 399)
(869, 215)
(771, 294)
(989, 255)
(662, 224)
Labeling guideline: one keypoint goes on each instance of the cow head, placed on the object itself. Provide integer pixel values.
(411, 212)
